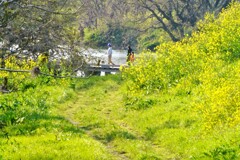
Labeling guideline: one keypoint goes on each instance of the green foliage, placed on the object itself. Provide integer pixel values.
(223, 152)
(94, 38)
(30, 97)
(151, 39)
(139, 102)
(119, 36)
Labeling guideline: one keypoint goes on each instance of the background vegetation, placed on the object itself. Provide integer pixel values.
(55, 23)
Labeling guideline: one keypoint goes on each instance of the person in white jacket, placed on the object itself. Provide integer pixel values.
(109, 52)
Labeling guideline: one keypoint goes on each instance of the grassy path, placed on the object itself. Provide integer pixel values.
(100, 112)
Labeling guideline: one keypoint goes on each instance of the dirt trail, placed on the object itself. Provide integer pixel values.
(101, 118)
(110, 148)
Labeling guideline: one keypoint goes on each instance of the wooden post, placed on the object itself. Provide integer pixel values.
(4, 85)
(2, 58)
(35, 71)
(5, 82)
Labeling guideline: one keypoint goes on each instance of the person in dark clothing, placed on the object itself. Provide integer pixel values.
(129, 53)
(131, 57)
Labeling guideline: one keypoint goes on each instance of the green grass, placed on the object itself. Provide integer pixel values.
(95, 123)
(53, 146)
